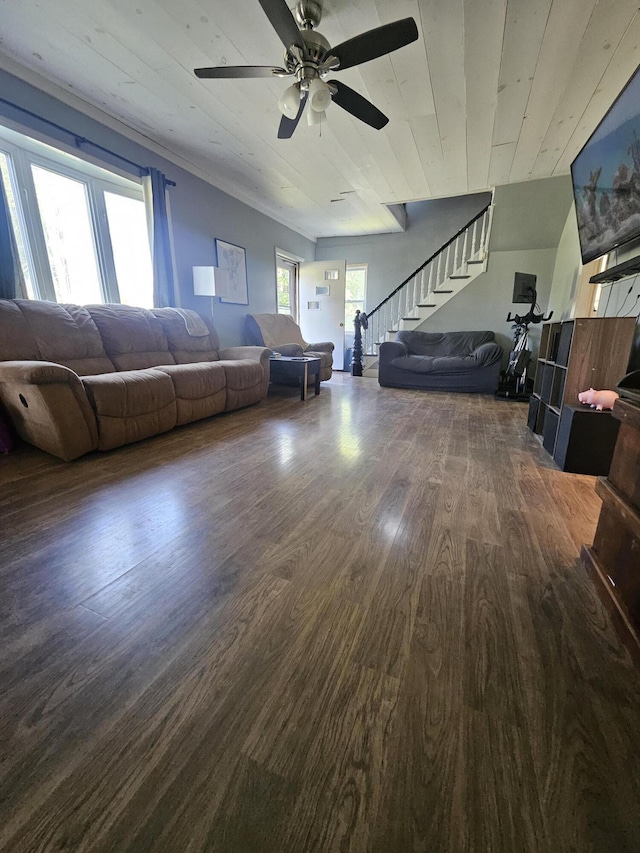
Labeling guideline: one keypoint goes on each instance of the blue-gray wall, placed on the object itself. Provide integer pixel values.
(528, 221)
(200, 211)
(393, 257)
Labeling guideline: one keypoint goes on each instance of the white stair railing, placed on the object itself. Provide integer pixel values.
(430, 285)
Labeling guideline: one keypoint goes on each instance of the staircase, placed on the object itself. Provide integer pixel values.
(441, 277)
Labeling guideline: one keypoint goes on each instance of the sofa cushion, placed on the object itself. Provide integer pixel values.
(435, 364)
(245, 382)
(17, 342)
(200, 389)
(47, 331)
(443, 343)
(133, 338)
(183, 329)
(131, 405)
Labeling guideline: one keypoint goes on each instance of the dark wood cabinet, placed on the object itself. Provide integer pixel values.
(613, 561)
(576, 355)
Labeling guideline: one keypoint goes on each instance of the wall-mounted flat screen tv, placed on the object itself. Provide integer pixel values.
(606, 177)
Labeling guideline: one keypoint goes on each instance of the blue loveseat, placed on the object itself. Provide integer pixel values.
(441, 361)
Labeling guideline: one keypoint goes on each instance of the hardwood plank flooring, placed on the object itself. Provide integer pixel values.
(353, 624)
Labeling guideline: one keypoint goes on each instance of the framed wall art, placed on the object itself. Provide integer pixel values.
(234, 260)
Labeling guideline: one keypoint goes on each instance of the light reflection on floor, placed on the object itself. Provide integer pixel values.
(349, 442)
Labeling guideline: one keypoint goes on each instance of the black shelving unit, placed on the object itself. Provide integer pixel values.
(575, 355)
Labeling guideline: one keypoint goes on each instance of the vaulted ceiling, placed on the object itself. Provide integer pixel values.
(492, 92)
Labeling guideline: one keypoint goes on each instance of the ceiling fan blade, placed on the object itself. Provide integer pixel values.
(358, 106)
(375, 43)
(282, 22)
(240, 71)
(288, 125)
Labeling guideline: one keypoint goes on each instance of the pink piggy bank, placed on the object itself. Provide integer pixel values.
(598, 400)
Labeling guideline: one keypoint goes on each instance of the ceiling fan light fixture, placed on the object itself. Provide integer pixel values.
(315, 117)
(289, 103)
(310, 57)
(319, 95)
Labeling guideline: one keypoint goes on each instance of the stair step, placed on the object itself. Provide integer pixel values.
(426, 305)
(415, 319)
(475, 262)
(454, 277)
(443, 291)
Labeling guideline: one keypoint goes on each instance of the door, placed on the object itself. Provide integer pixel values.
(321, 305)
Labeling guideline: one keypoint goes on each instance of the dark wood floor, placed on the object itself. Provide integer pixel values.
(352, 624)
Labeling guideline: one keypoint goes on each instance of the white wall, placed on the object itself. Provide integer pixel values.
(617, 299)
(622, 299)
(200, 211)
(567, 269)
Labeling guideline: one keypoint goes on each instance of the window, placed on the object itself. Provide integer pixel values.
(287, 286)
(18, 226)
(81, 230)
(354, 295)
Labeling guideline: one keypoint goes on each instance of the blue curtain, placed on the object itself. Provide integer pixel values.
(11, 278)
(158, 212)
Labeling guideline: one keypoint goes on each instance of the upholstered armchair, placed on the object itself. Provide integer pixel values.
(280, 333)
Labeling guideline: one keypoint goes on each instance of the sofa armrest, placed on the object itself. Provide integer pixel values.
(323, 346)
(488, 354)
(35, 372)
(291, 350)
(392, 349)
(255, 353)
(49, 407)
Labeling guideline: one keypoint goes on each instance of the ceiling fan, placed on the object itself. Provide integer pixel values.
(310, 58)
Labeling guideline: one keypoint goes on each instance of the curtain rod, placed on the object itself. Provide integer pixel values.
(82, 140)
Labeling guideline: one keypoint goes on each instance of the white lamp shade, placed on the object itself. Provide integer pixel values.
(289, 103)
(314, 117)
(319, 95)
(211, 281)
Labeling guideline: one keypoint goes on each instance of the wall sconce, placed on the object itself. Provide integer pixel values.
(211, 281)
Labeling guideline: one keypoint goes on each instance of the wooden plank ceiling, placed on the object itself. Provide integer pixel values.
(493, 92)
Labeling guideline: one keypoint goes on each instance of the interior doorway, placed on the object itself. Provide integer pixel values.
(322, 297)
(321, 304)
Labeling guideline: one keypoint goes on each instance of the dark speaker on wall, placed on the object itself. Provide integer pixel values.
(524, 287)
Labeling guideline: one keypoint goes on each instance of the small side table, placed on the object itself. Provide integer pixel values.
(288, 370)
